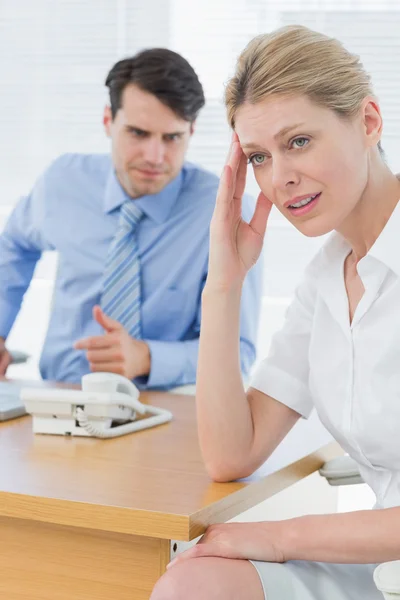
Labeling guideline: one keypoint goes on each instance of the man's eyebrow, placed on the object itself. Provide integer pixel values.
(180, 133)
(138, 129)
(144, 132)
(278, 135)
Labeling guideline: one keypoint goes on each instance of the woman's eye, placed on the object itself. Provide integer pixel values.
(257, 159)
(301, 142)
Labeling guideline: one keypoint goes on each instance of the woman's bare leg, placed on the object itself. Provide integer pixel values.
(210, 578)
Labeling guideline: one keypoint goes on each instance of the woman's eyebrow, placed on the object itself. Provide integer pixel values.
(287, 130)
(284, 131)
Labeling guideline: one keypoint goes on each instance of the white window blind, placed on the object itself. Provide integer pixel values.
(54, 57)
(55, 54)
(369, 28)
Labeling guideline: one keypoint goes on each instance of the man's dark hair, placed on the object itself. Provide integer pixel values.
(163, 73)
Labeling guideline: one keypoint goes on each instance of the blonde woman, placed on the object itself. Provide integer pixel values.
(307, 121)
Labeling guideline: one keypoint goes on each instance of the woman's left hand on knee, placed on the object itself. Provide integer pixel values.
(246, 541)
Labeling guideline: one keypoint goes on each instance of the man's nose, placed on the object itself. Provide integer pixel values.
(153, 151)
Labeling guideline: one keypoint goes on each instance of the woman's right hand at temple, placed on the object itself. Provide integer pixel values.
(234, 244)
(225, 418)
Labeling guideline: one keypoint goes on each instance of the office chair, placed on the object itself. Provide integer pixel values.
(344, 471)
(18, 357)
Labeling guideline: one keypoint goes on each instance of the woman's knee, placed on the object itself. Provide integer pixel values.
(182, 581)
(177, 581)
(211, 578)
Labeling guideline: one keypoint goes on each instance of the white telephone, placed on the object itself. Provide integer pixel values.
(106, 398)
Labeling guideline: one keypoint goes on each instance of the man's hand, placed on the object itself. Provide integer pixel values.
(115, 351)
(5, 357)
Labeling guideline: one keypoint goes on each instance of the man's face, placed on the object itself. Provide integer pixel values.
(149, 142)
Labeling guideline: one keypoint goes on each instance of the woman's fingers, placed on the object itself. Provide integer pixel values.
(260, 218)
(226, 189)
(224, 193)
(241, 173)
(203, 550)
(235, 156)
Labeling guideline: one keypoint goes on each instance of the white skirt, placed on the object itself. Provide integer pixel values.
(302, 580)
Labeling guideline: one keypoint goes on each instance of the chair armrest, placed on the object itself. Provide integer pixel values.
(342, 470)
(18, 357)
(387, 579)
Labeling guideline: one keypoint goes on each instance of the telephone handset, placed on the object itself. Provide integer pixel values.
(105, 399)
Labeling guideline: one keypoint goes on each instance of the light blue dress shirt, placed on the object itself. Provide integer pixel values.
(74, 209)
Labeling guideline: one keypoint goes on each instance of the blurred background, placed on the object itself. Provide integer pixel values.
(55, 54)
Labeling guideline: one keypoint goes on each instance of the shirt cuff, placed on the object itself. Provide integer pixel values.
(8, 314)
(284, 388)
(168, 360)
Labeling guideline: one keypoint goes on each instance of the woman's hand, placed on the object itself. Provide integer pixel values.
(234, 244)
(245, 541)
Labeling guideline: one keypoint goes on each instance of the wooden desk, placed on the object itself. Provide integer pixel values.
(87, 519)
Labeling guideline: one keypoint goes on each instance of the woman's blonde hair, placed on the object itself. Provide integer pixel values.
(297, 60)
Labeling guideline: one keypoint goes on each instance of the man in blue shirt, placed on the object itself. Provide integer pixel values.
(131, 232)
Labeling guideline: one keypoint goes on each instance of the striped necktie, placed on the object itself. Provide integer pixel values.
(121, 295)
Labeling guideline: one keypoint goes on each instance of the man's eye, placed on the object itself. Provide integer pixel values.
(137, 133)
(172, 137)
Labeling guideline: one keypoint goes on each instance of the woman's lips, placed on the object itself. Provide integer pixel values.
(303, 210)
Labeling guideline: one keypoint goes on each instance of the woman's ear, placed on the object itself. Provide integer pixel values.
(372, 120)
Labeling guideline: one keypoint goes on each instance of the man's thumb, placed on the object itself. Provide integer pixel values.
(104, 320)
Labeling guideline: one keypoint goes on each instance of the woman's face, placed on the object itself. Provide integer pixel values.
(310, 163)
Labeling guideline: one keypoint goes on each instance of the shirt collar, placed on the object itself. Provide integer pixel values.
(385, 248)
(155, 206)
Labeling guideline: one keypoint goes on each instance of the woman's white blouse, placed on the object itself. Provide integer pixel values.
(349, 373)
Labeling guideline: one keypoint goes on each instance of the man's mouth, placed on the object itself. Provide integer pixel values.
(148, 173)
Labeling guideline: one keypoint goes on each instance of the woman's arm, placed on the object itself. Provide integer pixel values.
(371, 536)
(355, 538)
(236, 432)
